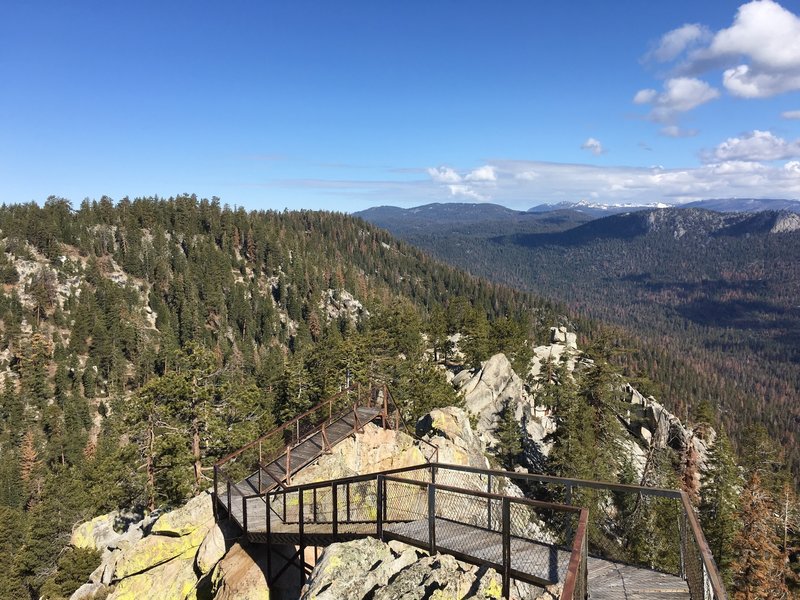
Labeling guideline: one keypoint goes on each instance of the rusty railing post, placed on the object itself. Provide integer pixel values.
(489, 502)
(682, 529)
(568, 501)
(347, 493)
(379, 492)
(216, 494)
(268, 518)
(302, 552)
(432, 518)
(334, 510)
(288, 464)
(506, 548)
(244, 514)
(230, 510)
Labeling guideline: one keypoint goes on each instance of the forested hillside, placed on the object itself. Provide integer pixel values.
(707, 301)
(143, 340)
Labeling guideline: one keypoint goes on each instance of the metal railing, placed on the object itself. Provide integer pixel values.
(654, 528)
(375, 504)
(247, 469)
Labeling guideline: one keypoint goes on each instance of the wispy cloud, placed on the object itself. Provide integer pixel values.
(673, 43)
(747, 166)
(594, 146)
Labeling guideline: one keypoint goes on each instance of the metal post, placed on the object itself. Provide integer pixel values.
(682, 527)
(230, 511)
(244, 514)
(302, 552)
(288, 464)
(334, 510)
(489, 502)
(379, 482)
(269, 537)
(568, 500)
(314, 504)
(432, 517)
(284, 507)
(216, 494)
(506, 548)
(347, 493)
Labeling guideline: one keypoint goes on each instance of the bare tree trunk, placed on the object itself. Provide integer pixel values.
(151, 469)
(198, 466)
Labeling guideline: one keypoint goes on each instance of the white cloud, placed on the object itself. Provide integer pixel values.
(791, 114)
(594, 146)
(444, 175)
(526, 175)
(466, 191)
(680, 94)
(675, 42)
(761, 51)
(746, 82)
(484, 173)
(645, 96)
(756, 146)
(678, 132)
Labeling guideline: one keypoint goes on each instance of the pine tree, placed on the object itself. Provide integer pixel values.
(509, 436)
(758, 570)
(719, 502)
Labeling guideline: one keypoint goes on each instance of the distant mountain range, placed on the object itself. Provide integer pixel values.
(460, 215)
(484, 219)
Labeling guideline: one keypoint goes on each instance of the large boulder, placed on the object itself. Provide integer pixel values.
(173, 580)
(211, 550)
(240, 575)
(355, 569)
(374, 449)
(372, 569)
(105, 531)
(156, 549)
(449, 429)
(90, 591)
(197, 513)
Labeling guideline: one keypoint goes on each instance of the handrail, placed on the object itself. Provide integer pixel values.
(488, 495)
(282, 427)
(577, 571)
(705, 551)
(407, 429)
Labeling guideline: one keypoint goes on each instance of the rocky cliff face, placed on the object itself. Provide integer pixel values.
(495, 387)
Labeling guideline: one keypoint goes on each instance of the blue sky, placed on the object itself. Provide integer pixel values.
(354, 104)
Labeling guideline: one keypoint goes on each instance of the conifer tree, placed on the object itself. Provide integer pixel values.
(758, 570)
(719, 502)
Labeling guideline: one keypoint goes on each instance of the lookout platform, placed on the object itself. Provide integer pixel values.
(472, 514)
